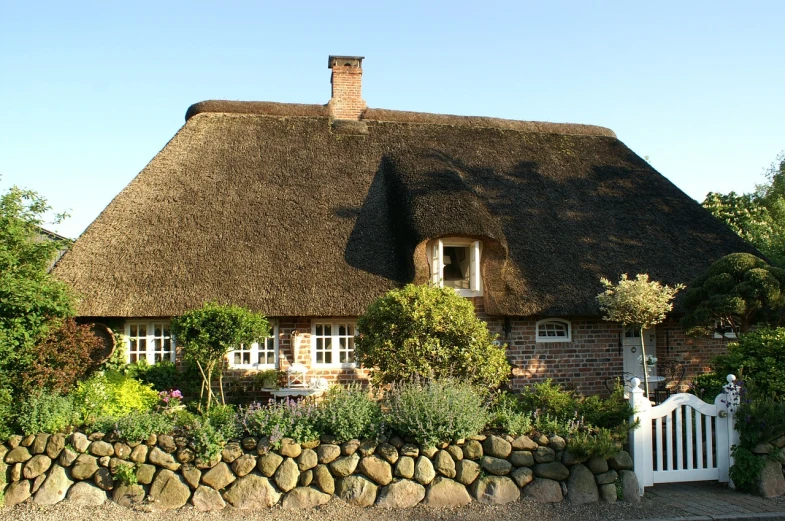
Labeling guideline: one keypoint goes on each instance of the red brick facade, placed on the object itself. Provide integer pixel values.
(347, 100)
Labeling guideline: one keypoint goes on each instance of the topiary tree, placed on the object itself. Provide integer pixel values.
(739, 290)
(640, 303)
(428, 332)
(209, 333)
(758, 358)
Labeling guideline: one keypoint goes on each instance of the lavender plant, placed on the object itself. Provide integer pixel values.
(278, 420)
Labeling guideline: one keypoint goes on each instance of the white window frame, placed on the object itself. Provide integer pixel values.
(149, 338)
(546, 321)
(335, 350)
(254, 352)
(729, 333)
(436, 255)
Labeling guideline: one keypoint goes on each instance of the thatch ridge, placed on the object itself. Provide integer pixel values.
(268, 108)
(286, 216)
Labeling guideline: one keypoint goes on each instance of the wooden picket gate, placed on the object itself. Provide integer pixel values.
(684, 438)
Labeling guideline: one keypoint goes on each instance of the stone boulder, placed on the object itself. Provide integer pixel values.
(356, 490)
(290, 448)
(496, 466)
(495, 490)
(620, 461)
(218, 477)
(169, 490)
(18, 455)
(629, 486)
(345, 466)
(231, 452)
(54, 488)
(608, 493)
(496, 447)
(17, 492)
(409, 449)
(544, 455)
(307, 460)
(522, 476)
(243, 465)
(304, 497)
(128, 496)
(163, 459)
(191, 474)
(268, 464)
(327, 453)
(472, 450)
(36, 466)
(80, 442)
(87, 494)
(445, 492)
(401, 494)
(388, 452)
(771, 482)
(206, 499)
(466, 471)
(101, 449)
(55, 445)
(287, 475)
(522, 458)
(323, 479)
(543, 490)
(377, 469)
(252, 492)
(581, 487)
(103, 479)
(597, 464)
(145, 473)
(404, 468)
(552, 470)
(606, 477)
(444, 464)
(424, 471)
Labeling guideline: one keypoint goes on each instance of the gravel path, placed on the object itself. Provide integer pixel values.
(337, 510)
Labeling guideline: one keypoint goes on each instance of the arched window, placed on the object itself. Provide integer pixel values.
(554, 330)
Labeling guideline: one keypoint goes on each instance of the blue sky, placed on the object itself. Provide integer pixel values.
(92, 91)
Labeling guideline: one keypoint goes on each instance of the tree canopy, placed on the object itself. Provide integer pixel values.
(757, 217)
(32, 301)
(738, 290)
(210, 332)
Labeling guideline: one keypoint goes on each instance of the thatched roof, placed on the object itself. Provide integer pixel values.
(274, 207)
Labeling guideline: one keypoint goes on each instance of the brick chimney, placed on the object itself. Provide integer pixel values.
(347, 101)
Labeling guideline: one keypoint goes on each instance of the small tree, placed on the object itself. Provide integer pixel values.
(738, 290)
(428, 332)
(639, 303)
(209, 333)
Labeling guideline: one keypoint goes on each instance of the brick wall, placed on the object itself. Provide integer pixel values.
(347, 102)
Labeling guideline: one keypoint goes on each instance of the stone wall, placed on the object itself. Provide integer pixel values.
(248, 475)
(771, 482)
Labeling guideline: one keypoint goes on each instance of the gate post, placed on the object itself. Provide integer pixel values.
(640, 438)
(732, 401)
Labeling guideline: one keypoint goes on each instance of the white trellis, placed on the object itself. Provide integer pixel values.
(684, 438)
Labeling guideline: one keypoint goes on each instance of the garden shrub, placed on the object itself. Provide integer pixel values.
(165, 376)
(606, 413)
(207, 441)
(6, 414)
(707, 386)
(507, 415)
(348, 413)
(760, 420)
(278, 420)
(112, 394)
(125, 474)
(136, 426)
(46, 411)
(549, 399)
(758, 358)
(428, 332)
(223, 418)
(602, 442)
(435, 411)
(746, 468)
(62, 358)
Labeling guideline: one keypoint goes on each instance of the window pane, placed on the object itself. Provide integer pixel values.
(142, 344)
(328, 357)
(456, 273)
(158, 330)
(142, 330)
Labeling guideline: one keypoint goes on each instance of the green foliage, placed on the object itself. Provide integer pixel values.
(601, 442)
(209, 333)
(278, 420)
(6, 414)
(349, 413)
(111, 394)
(758, 358)
(31, 299)
(760, 420)
(136, 426)
(63, 357)
(549, 398)
(435, 411)
(207, 441)
(46, 411)
(165, 375)
(746, 468)
(707, 386)
(759, 217)
(608, 413)
(739, 290)
(125, 473)
(223, 418)
(428, 332)
(507, 415)
(268, 378)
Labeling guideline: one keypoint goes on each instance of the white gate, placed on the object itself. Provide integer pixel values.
(684, 438)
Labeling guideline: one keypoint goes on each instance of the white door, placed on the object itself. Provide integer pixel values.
(632, 350)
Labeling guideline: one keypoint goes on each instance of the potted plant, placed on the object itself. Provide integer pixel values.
(651, 362)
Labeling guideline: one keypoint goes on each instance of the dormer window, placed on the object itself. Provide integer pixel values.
(554, 330)
(455, 263)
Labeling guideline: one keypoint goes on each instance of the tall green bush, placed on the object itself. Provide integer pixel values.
(46, 411)
(428, 332)
(349, 413)
(757, 358)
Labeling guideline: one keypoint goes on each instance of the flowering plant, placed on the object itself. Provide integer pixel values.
(172, 400)
(650, 360)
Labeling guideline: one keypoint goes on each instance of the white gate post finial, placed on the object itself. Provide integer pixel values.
(640, 439)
